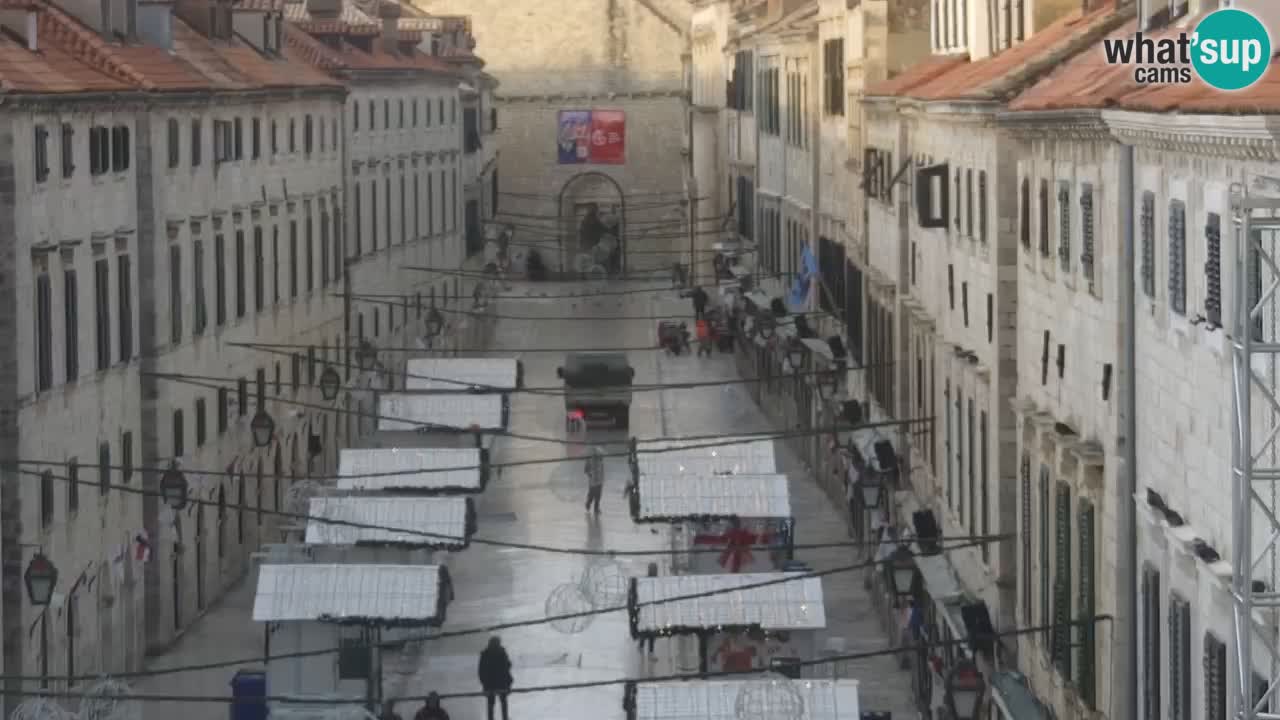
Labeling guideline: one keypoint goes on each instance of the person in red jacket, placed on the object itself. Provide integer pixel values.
(703, 329)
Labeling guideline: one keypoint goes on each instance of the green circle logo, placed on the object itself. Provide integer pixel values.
(1231, 49)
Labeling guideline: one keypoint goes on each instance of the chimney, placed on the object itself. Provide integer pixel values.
(155, 24)
(389, 13)
(324, 9)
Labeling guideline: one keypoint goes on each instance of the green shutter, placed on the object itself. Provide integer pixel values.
(1025, 474)
(1062, 581)
(1151, 643)
(960, 454)
(1214, 663)
(1085, 676)
(1046, 612)
(1176, 711)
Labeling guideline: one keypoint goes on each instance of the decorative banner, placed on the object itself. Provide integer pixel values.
(804, 285)
(596, 137)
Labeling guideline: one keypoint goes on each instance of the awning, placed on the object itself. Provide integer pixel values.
(1014, 699)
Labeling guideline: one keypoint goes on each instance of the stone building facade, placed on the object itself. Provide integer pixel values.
(160, 239)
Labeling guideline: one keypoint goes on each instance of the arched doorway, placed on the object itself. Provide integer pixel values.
(580, 194)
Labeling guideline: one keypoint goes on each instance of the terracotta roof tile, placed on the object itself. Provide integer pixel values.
(347, 56)
(259, 6)
(1088, 82)
(1001, 75)
(50, 71)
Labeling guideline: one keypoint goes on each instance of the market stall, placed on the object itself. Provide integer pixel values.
(494, 375)
(736, 513)
(719, 699)
(741, 621)
(439, 420)
(723, 456)
(367, 528)
(438, 471)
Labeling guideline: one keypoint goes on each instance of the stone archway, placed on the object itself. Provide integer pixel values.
(577, 196)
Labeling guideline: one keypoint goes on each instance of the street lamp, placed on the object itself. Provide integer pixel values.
(965, 688)
(173, 487)
(902, 571)
(263, 428)
(795, 355)
(41, 577)
(365, 355)
(434, 323)
(330, 383)
(872, 490)
(764, 325)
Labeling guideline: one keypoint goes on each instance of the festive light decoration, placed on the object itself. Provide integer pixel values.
(108, 699)
(605, 583)
(772, 697)
(568, 599)
(39, 708)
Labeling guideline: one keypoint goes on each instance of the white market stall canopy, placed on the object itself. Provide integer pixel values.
(746, 456)
(458, 374)
(376, 594)
(430, 470)
(667, 497)
(441, 412)
(793, 605)
(439, 522)
(717, 699)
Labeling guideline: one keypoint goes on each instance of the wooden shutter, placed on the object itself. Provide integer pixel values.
(1151, 644)
(1214, 664)
(1148, 230)
(1176, 709)
(1086, 231)
(1178, 257)
(1044, 218)
(1213, 269)
(1025, 475)
(1062, 581)
(1024, 229)
(1086, 681)
(1064, 225)
(1046, 611)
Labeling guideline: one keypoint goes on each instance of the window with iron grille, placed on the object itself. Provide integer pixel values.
(1024, 473)
(1213, 269)
(1086, 232)
(1046, 599)
(1086, 679)
(833, 75)
(1147, 224)
(1178, 257)
(1215, 678)
(1179, 659)
(1062, 581)
(1151, 631)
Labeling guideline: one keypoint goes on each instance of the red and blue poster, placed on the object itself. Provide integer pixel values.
(594, 137)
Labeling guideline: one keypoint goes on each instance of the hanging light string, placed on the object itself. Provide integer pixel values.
(493, 628)
(743, 438)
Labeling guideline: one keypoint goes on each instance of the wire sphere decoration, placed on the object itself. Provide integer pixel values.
(605, 583)
(568, 599)
(569, 481)
(297, 499)
(108, 699)
(771, 697)
(41, 708)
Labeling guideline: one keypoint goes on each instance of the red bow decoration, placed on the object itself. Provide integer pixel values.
(738, 544)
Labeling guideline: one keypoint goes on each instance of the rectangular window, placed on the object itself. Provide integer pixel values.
(1085, 632)
(968, 202)
(417, 207)
(69, 151)
(99, 150)
(124, 290)
(104, 468)
(255, 138)
(1064, 225)
(71, 322)
(197, 141)
(1213, 269)
(1086, 233)
(1147, 228)
(311, 254)
(241, 281)
(120, 148)
(73, 485)
(224, 401)
(220, 280)
(404, 224)
(324, 248)
(308, 134)
(197, 276)
(126, 458)
(1024, 536)
(1178, 257)
(373, 215)
(259, 271)
(178, 445)
(41, 153)
(386, 208)
(1179, 659)
(293, 135)
(102, 293)
(984, 497)
(358, 220)
(46, 501)
(1151, 658)
(275, 138)
(1061, 648)
(972, 457)
(964, 302)
(1024, 217)
(1046, 520)
(237, 151)
(200, 422)
(275, 264)
(833, 75)
(337, 245)
(982, 206)
(175, 294)
(1044, 218)
(293, 258)
(1215, 678)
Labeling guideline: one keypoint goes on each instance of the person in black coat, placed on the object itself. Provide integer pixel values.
(699, 297)
(495, 675)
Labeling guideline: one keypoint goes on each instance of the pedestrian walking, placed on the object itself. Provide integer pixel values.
(653, 572)
(703, 330)
(595, 479)
(699, 297)
(431, 709)
(495, 675)
(389, 712)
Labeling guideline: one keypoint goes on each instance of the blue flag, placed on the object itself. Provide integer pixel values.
(799, 295)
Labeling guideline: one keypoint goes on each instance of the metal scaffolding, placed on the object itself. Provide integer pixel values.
(1255, 512)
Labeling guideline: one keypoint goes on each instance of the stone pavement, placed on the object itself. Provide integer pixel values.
(533, 504)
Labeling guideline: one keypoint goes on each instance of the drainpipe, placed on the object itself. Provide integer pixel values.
(1127, 563)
